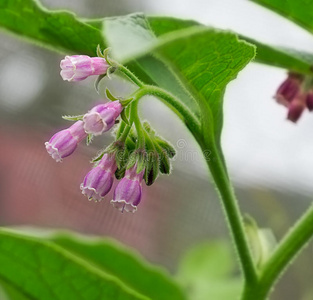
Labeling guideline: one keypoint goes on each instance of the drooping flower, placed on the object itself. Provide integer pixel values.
(102, 117)
(296, 108)
(79, 67)
(127, 194)
(64, 142)
(98, 182)
(289, 89)
(309, 100)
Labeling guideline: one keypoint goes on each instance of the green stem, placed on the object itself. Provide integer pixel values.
(171, 101)
(120, 129)
(130, 75)
(125, 133)
(286, 251)
(233, 215)
(135, 118)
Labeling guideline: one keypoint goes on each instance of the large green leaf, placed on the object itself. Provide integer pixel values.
(298, 11)
(207, 271)
(59, 30)
(130, 37)
(64, 32)
(267, 54)
(63, 266)
(123, 263)
(203, 60)
(40, 269)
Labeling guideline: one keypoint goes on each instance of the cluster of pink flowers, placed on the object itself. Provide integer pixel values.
(101, 118)
(296, 94)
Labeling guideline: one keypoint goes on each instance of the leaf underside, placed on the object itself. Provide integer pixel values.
(62, 265)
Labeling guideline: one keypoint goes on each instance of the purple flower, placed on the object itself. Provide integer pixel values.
(309, 100)
(102, 117)
(127, 194)
(79, 67)
(289, 89)
(64, 142)
(296, 109)
(98, 182)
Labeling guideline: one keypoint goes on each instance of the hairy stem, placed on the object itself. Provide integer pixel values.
(286, 251)
(135, 118)
(130, 75)
(170, 100)
(232, 212)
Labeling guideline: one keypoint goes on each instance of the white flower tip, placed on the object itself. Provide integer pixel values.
(122, 206)
(91, 193)
(53, 152)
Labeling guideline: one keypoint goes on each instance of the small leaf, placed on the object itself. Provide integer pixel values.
(89, 139)
(207, 272)
(99, 52)
(262, 241)
(165, 164)
(124, 117)
(126, 102)
(110, 71)
(97, 82)
(141, 160)
(170, 150)
(152, 168)
(73, 118)
(109, 95)
(98, 156)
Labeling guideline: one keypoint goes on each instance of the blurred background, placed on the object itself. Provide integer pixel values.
(269, 159)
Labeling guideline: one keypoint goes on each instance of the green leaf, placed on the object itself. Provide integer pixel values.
(11, 292)
(59, 30)
(40, 269)
(273, 55)
(123, 263)
(298, 11)
(207, 272)
(62, 265)
(89, 139)
(203, 60)
(261, 240)
(130, 37)
(289, 59)
(73, 118)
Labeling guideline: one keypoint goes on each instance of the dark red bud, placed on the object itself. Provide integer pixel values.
(309, 100)
(295, 110)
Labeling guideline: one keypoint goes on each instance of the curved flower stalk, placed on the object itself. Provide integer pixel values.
(138, 154)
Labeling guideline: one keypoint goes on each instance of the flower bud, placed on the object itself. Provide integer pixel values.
(64, 142)
(295, 109)
(289, 89)
(102, 117)
(127, 194)
(152, 167)
(98, 182)
(79, 67)
(309, 100)
(170, 150)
